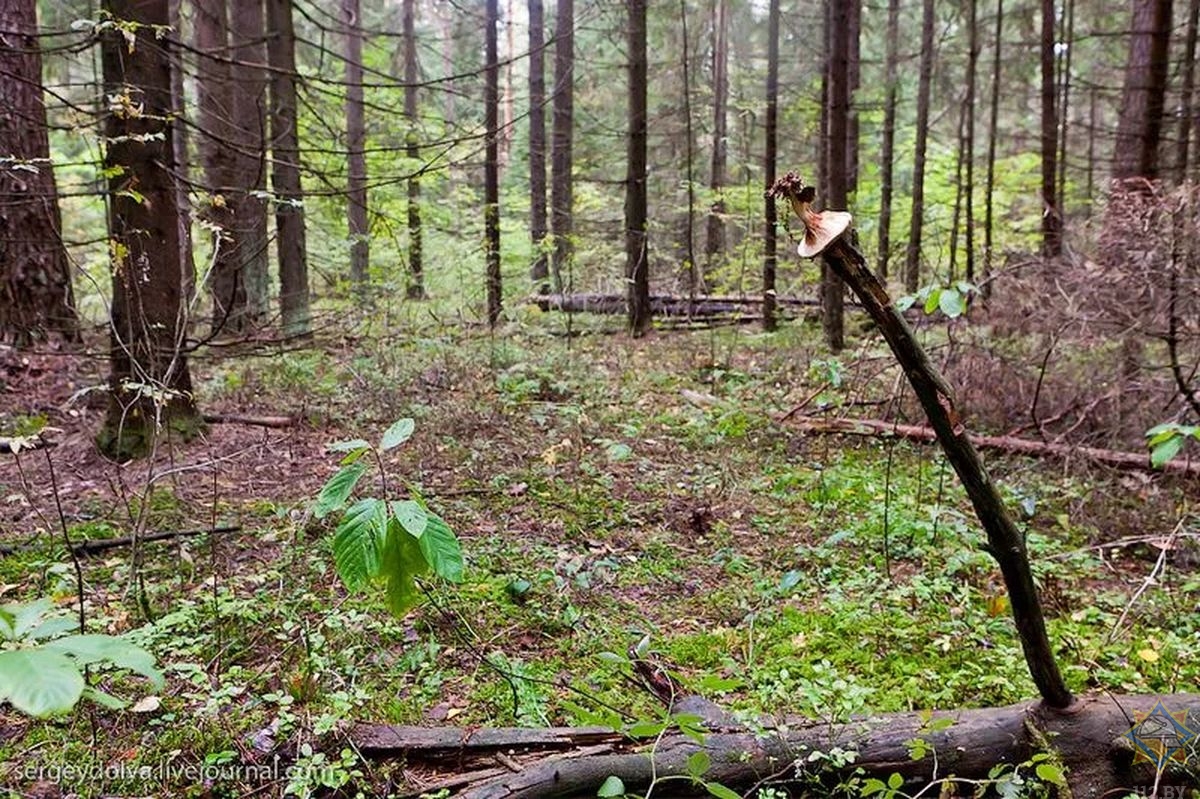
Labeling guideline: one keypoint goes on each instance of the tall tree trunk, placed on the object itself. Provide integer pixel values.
(1187, 110)
(416, 288)
(993, 128)
(290, 234)
(149, 308)
(1051, 217)
(450, 110)
(215, 97)
(969, 191)
(842, 32)
(1139, 126)
(887, 157)
(912, 255)
(637, 259)
(506, 99)
(356, 135)
(36, 299)
(183, 199)
(1064, 102)
(689, 232)
(854, 79)
(770, 322)
(491, 168)
(250, 170)
(540, 271)
(714, 242)
(561, 186)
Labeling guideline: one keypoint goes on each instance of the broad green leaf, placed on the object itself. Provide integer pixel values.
(931, 302)
(348, 446)
(1049, 772)
(645, 729)
(397, 434)
(698, 763)
(55, 625)
(950, 301)
(1162, 432)
(28, 616)
(905, 302)
(104, 699)
(358, 542)
(38, 682)
(337, 490)
(895, 782)
(402, 562)
(720, 791)
(411, 515)
(1166, 450)
(441, 550)
(612, 786)
(872, 786)
(89, 649)
(7, 622)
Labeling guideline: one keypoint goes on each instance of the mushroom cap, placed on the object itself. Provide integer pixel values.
(821, 230)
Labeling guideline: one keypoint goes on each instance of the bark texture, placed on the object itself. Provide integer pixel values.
(412, 149)
(36, 298)
(491, 168)
(356, 141)
(714, 242)
(149, 383)
(1139, 126)
(637, 258)
(770, 216)
(912, 253)
(561, 160)
(539, 272)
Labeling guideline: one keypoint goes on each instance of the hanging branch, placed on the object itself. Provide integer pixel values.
(825, 236)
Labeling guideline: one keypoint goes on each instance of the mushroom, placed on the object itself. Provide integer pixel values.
(821, 228)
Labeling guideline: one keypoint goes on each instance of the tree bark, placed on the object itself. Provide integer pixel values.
(416, 286)
(912, 255)
(249, 302)
(637, 259)
(539, 272)
(714, 241)
(969, 141)
(842, 32)
(1187, 110)
(36, 298)
(1051, 216)
(770, 217)
(491, 168)
(561, 161)
(888, 152)
(356, 135)
(1143, 98)
(290, 233)
(149, 383)
(1094, 744)
(993, 129)
(695, 283)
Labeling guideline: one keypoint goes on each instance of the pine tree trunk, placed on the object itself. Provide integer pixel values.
(887, 156)
(969, 143)
(770, 322)
(1051, 217)
(912, 255)
(1139, 126)
(356, 134)
(561, 187)
(1187, 111)
(637, 260)
(416, 288)
(290, 234)
(714, 242)
(149, 382)
(694, 280)
(842, 33)
(36, 298)
(250, 171)
(993, 128)
(1064, 103)
(491, 168)
(539, 272)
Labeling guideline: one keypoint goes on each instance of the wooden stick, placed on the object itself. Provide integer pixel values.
(1133, 461)
(253, 421)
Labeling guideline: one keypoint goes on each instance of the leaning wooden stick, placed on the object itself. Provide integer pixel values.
(825, 237)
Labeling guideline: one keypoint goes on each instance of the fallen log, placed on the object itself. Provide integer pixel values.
(1134, 461)
(661, 304)
(279, 422)
(105, 544)
(1104, 745)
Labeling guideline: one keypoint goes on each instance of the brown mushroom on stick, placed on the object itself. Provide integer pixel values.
(824, 235)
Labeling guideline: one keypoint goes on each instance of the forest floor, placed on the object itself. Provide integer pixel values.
(606, 491)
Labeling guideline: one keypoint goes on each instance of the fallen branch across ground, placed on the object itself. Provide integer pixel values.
(662, 304)
(252, 421)
(104, 544)
(1134, 461)
(1091, 743)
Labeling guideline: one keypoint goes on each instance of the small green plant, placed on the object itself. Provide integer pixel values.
(1167, 440)
(41, 669)
(951, 300)
(380, 539)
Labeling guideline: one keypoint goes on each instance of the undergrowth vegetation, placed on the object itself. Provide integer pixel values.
(605, 492)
